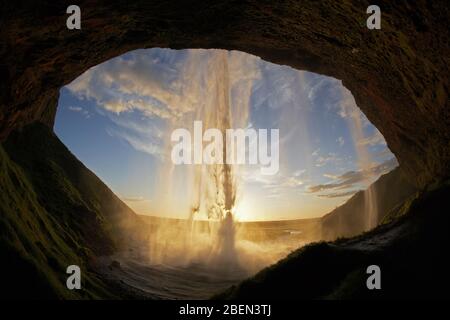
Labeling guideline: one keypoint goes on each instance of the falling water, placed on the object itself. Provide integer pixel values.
(219, 199)
(364, 159)
(216, 85)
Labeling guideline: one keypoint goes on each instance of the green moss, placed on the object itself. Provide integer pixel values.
(400, 210)
(54, 213)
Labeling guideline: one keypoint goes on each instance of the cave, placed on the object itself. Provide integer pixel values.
(398, 76)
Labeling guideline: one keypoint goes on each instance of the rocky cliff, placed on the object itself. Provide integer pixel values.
(390, 191)
(54, 212)
(398, 75)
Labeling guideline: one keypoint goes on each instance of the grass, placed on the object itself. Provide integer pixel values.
(54, 213)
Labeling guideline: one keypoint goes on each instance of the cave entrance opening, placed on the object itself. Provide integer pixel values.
(118, 118)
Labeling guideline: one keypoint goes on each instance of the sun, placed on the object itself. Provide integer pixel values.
(244, 211)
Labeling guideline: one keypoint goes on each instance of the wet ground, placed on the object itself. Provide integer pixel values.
(169, 265)
(195, 281)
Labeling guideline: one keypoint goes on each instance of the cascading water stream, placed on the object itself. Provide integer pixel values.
(208, 81)
(364, 158)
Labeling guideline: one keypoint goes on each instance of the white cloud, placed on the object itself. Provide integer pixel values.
(375, 139)
(350, 179)
(275, 182)
(166, 85)
(299, 173)
(330, 157)
(315, 152)
(138, 142)
(163, 84)
(84, 112)
(75, 109)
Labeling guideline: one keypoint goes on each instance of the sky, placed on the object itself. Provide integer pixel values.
(117, 118)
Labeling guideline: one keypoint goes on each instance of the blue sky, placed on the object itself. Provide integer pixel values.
(116, 118)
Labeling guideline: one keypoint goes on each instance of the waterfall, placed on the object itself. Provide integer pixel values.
(212, 81)
(364, 159)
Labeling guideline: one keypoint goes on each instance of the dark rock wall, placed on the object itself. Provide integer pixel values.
(398, 75)
(54, 212)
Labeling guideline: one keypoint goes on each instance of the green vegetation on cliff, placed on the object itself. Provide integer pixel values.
(54, 212)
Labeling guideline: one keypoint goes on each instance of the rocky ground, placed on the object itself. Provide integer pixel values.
(410, 251)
